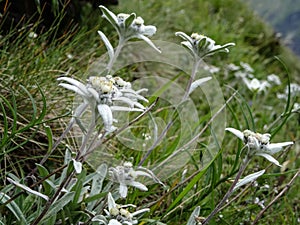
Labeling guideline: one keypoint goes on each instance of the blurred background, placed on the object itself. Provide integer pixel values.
(284, 17)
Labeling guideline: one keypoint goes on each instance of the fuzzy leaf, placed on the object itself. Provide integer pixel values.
(111, 17)
(197, 83)
(184, 36)
(202, 44)
(129, 20)
(67, 160)
(77, 166)
(194, 214)
(110, 49)
(28, 189)
(59, 204)
(13, 207)
(149, 30)
(187, 45)
(97, 183)
(249, 179)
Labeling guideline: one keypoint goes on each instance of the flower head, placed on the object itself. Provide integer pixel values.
(293, 90)
(125, 175)
(273, 78)
(256, 85)
(201, 46)
(121, 214)
(259, 144)
(244, 71)
(106, 95)
(130, 26)
(246, 67)
(232, 67)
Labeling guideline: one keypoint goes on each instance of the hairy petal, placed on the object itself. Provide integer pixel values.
(107, 117)
(126, 109)
(277, 147)
(184, 36)
(148, 30)
(114, 222)
(269, 158)
(140, 211)
(138, 185)
(73, 88)
(74, 82)
(236, 132)
(148, 41)
(123, 190)
(94, 93)
(111, 202)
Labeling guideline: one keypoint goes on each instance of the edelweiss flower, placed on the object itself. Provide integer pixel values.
(294, 91)
(103, 94)
(201, 46)
(259, 144)
(211, 69)
(129, 26)
(247, 68)
(296, 107)
(232, 67)
(118, 214)
(273, 78)
(114, 222)
(256, 85)
(125, 175)
(244, 71)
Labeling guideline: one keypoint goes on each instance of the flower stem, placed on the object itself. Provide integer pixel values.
(52, 199)
(116, 54)
(86, 137)
(192, 78)
(229, 192)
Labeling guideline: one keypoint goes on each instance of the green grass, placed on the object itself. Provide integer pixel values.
(34, 110)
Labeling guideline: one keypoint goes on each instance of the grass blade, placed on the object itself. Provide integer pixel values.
(13, 207)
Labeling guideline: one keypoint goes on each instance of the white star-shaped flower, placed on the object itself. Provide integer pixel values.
(118, 214)
(256, 85)
(259, 144)
(200, 45)
(106, 95)
(125, 175)
(128, 26)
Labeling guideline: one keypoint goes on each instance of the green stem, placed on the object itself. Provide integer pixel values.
(229, 192)
(192, 78)
(254, 101)
(51, 200)
(116, 54)
(86, 137)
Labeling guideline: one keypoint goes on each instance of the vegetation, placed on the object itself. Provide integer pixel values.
(37, 175)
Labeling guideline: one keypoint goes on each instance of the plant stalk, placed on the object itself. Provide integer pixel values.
(229, 192)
